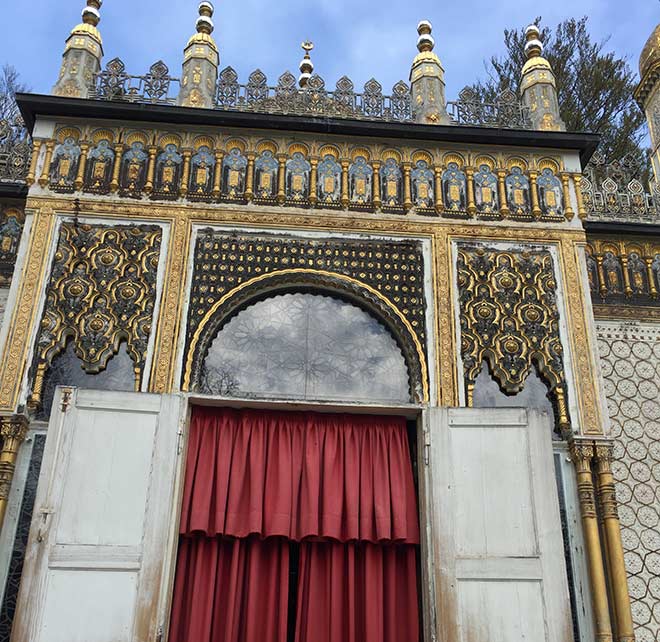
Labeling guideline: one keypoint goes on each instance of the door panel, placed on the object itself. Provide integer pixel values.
(497, 533)
(98, 542)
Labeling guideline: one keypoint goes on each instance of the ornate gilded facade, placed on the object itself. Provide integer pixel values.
(490, 247)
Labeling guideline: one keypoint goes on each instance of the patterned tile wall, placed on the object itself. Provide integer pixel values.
(630, 361)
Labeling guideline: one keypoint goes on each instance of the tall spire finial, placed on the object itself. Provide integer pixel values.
(82, 56)
(199, 73)
(306, 64)
(425, 42)
(533, 46)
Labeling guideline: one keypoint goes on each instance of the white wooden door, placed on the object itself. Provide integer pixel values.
(498, 552)
(101, 532)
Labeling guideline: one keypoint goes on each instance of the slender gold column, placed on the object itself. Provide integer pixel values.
(501, 187)
(627, 288)
(376, 185)
(119, 152)
(281, 179)
(577, 180)
(151, 168)
(217, 176)
(569, 213)
(534, 189)
(651, 277)
(13, 430)
(344, 184)
(582, 453)
(601, 276)
(439, 201)
(407, 198)
(612, 528)
(185, 172)
(32, 172)
(249, 177)
(471, 206)
(43, 179)
(313, 181)
(82, 163)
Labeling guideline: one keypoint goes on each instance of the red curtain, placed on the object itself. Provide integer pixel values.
(340, 484)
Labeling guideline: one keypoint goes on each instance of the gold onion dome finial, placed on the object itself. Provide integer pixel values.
(425, 42)
(650, 55)
(306, 64)
(91, 13)
(204, 22)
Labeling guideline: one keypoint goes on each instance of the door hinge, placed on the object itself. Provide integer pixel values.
(427, 447)
(179, 441)
(159, 634)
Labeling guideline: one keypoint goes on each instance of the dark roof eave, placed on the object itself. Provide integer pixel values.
(622, 228)
(33, 105)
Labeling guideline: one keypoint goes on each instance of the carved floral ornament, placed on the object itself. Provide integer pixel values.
(101, 293)
(139, 165)
(509, 319)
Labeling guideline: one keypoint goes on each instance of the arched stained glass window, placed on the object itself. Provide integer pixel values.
(306, 346)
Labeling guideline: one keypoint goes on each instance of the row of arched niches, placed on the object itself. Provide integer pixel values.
(263, 172)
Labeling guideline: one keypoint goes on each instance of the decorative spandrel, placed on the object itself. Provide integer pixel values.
(509, 318)
(306, 346)
(229, 271)
(12, 219)
(101, 291)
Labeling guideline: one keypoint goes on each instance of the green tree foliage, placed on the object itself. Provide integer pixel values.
(595, 86)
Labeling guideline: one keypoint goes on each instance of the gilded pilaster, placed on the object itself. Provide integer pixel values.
(568, 208)
(612, 530)
(344, 184)
(32, 172)
(581, 454)
(116, 167)
(151, 169)
(16, 346)
(281, 179)
(185, 172)
(577, 181)
(13, 430)
(407, 198)
(534, 190)
(162, 371)
(501, 189)
(651, 277)
(313, 181)
(43, 179)
(249, 177)
(439, 201)
(377, 199)
(217, 176)
(471, 206)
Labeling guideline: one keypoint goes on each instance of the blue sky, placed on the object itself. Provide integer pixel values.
(359, 39)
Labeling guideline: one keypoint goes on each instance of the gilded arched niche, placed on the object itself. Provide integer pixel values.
(324, 284)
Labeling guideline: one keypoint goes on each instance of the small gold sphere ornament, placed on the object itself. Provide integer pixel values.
(533, 46)
(91, 13)
(306, 65)
(204, 23)
(425, 42)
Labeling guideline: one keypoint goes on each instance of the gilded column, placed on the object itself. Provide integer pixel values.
(32, 172)
(582, 453)
(568, 208)
(534, 188)
(12, 430)
(249, 177)
(119, 152)
(627, 288)
(601, 276)
(313, 181)
(439, 201)
(612, 529)
(43, 179)
(344, 184)
(501, 188)
(577, 181)
(376, 187)
(82, 163)
(651, 276)
(217, 177)
(407, 198)
(471, 206)
(185, 172)
(281, 179)
(151, 168)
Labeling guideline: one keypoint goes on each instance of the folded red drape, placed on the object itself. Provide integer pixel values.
(230, 590)
(299, 475)
(357, 592)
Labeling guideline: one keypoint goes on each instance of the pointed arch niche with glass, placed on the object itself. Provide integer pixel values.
(310, 345)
